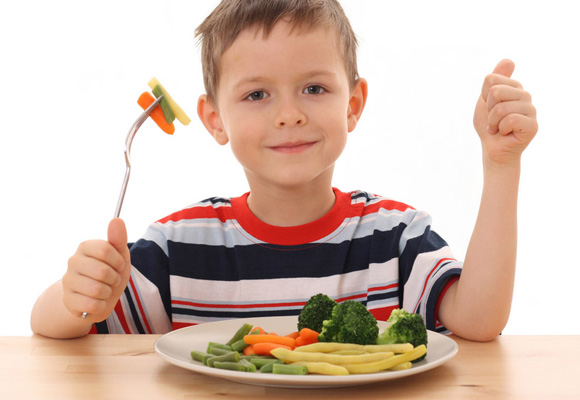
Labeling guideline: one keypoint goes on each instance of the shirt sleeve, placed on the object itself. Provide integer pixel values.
(145, 306)
(426, 268)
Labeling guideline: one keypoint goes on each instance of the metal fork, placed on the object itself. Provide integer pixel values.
(128, 141)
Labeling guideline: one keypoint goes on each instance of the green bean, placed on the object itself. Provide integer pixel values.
(239, 345)
(198, 355)
(287, 369)
(249, 367)
(207, 357)
(243, 331)
(231, 356)
(260, 362)
(214, 345)
(218, 351)
(234, 366)
(268, 368)
(253, 356)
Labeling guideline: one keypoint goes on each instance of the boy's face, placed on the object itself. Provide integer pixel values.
(285, 105)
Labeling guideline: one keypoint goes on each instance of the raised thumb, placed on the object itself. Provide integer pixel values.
(505, 67)
(117, 236)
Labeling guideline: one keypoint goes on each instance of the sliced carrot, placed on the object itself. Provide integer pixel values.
(293, 335)
(269, 338)
(299, 341)
(145, 100)
(249, 350)
(265, 348)
(309, 335)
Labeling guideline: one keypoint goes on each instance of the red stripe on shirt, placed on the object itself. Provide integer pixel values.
(140, 305)
(179, 325)
(386, 205)
(238, 306)
(383, 313)
(121, 316)
(223, 213)
(381, 288)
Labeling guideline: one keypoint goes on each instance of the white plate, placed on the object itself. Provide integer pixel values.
(176, 347)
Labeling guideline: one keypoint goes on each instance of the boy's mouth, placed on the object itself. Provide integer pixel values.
(292, 147)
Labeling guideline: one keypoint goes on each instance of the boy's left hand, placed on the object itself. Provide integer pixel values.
(505, 118)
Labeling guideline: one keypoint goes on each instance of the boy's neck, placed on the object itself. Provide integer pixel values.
(291, 207)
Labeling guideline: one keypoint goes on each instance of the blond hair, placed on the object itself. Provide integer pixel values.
(219, 30)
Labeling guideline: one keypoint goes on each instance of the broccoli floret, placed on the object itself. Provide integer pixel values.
(350, 322)
(317, 309)
(404, 327)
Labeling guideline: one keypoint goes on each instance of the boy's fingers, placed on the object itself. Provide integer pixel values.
(99, 271)
(505, 113)
(78, 303)
(505, 68)
(504, 93)
(501, 75)
(517, 123)
(117, 236)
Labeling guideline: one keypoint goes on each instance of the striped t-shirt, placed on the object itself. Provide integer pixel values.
(215, 260)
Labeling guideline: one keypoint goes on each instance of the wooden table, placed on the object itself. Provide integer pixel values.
(126, 367)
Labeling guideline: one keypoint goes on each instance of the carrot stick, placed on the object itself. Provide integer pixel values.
(309, 335)
(265, 348)
(293, 335)
(259, 330)
(249, 350)
(145, 100)
(269, 338)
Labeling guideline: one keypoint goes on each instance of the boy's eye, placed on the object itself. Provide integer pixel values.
(257, 95)
(314, 89)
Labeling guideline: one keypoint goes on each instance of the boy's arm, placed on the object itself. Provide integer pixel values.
(51, 318)
(477, 306)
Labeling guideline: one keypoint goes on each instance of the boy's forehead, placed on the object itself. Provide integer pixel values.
(284, 37)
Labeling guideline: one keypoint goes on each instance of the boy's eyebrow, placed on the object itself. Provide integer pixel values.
(307, 75)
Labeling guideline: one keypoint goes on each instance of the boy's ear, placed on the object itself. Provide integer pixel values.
(357, 103)
(209, 116)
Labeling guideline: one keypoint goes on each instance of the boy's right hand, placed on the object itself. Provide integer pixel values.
(98, 274)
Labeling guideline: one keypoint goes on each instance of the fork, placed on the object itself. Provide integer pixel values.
(128, 141)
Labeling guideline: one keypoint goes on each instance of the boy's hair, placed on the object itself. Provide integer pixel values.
(219, 30)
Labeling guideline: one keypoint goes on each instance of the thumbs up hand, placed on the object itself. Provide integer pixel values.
(98, 274)
(505, 118)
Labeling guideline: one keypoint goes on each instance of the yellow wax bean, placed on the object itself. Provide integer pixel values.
(348, 352)
(290, 356)
(376, 366)
(322, 368)
(402, 367)
(330, 347)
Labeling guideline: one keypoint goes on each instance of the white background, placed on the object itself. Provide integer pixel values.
(72, 71)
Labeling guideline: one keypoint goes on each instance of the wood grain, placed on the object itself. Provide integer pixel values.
(126, 367)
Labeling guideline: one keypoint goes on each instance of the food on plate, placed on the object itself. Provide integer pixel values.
(317, 309)
(323, 358)
(350, 322)
(349, 342)
(404, 327)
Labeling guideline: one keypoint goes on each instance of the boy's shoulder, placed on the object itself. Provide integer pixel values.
(372, 202)
(211, 207)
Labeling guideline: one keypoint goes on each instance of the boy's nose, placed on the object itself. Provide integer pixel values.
(289, 115)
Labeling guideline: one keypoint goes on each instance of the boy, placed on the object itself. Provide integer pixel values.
(283, 89)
